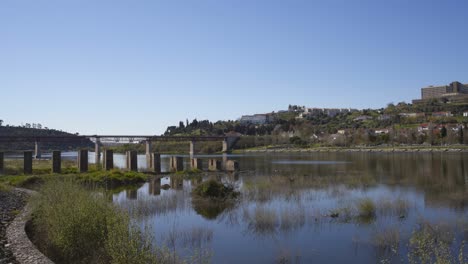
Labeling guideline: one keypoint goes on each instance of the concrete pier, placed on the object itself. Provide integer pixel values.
(2, 162)
(224, 162)
(196, 164)
(192, 148)
(132, 160)
(97, 151)
(149, 157)
(108, 159)
(154, 186)
(27, 162)
(225, 146)
(177, 183)
(37, 150)
(156, 166)
(56, 162)
(232, 165)
(176, 164)
(82, 160)
(131, 194)
(214, 165)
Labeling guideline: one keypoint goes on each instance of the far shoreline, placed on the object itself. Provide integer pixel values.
(376, 149)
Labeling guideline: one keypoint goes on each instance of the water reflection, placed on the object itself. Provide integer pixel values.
(308, 210)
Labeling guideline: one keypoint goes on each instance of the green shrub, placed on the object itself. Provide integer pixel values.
(366, 208)
(214, 189)
(80, 226)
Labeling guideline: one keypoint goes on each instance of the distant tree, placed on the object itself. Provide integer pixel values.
(181, 124)
(1, 122)
(39, 126)
(27, 125)
(460, 135)
(443, 132)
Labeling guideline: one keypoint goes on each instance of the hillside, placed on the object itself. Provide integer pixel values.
(28, 131)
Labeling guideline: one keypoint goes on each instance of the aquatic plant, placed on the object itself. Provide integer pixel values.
(366, 208)
(215, 190)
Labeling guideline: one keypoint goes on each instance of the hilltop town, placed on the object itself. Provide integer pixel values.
(440, 116)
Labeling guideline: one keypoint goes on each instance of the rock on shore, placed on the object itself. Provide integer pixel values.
(11, 203)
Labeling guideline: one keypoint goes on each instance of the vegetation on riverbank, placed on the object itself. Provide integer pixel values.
(42, 172)
(74, 225)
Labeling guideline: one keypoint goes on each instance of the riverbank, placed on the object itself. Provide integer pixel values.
(11, 203)
(422, 149)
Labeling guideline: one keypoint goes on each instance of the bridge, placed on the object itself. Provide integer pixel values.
(99, 140)
(152, 159)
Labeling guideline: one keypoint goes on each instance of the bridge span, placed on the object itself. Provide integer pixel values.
(227, 141)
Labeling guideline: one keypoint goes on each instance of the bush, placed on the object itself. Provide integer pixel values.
(79, 226)
(215, 189)
(366, 208)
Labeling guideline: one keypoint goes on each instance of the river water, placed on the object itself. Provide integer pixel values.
(286, 202)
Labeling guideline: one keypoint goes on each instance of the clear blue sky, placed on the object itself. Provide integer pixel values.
(135, 66)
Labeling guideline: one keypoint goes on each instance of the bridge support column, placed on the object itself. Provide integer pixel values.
(149, 157)
(225, 146)
(192, 148)
(97, 152)
(156, 166)
(131, 194)
(154, 186)
(56, 162)
(224, 161)
(214, 165)
(82, 160)
(27, 162)
(176, 164)
(108, 159)
(132, 160)
(196, 164)
(37, 150)
(232, 165)
(2, 162)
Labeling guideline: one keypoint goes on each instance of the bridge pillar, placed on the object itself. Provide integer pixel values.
(82, 160)
(149, 157)
(27, 162)
(108, 159)
(132, 160)
(196, 164)
(156, 166)
(176, 164)
(214, 165)
(225, 146)
(224, 161)
(131, 194)
(232, 165)
(192, 148)
(37, 150)
(97, 152)
(2, 162)
(56, 162)
(154, 186)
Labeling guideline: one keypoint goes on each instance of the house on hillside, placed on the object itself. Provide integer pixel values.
(412, 115)
(423, 127)
(257, 119)
(442, 114)
(384, 131)
(465, 114)
(384, 117)
(362, 118)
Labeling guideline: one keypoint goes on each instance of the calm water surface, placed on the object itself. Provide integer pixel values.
(286, 201)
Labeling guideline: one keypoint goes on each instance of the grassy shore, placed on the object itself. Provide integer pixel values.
(409, 148)
(14, 176)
